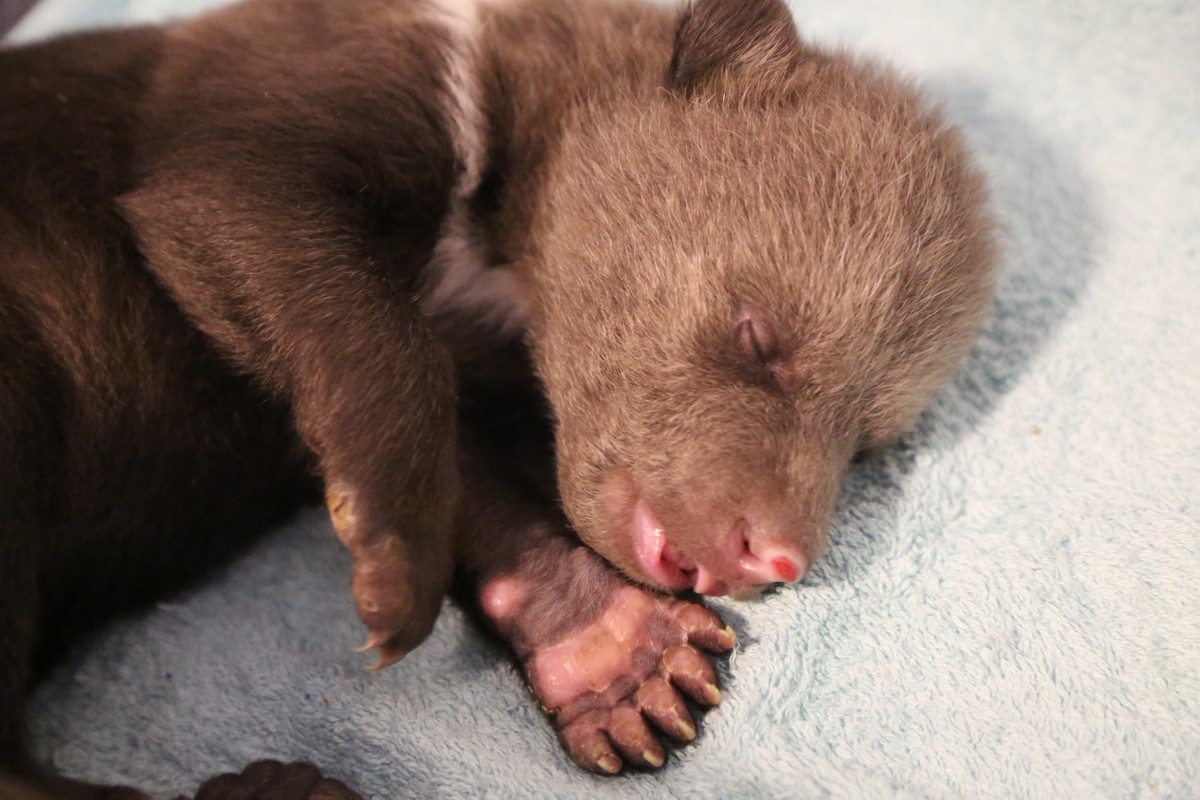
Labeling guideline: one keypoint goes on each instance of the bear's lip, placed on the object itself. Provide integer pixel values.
(663, 562)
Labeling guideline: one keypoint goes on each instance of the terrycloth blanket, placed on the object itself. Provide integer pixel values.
(1011, 603)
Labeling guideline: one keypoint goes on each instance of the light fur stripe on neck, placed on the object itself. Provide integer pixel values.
(460, 280)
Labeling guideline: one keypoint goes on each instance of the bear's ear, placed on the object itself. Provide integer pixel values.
(744, 38)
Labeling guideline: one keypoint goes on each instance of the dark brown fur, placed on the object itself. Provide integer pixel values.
(170, 352)
(737, 260)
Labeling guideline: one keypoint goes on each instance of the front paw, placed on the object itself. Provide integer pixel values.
(271, 780)
(398, 585)
(609, 684)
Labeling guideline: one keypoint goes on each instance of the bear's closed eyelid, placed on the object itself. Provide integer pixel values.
(758, 348)
(756, 340)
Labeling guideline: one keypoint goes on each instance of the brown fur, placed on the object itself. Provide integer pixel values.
(817, 191)
(741, 260)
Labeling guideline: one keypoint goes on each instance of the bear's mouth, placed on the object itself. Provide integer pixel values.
(663, 561)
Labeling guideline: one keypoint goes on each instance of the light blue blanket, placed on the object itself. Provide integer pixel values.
(1011, 605)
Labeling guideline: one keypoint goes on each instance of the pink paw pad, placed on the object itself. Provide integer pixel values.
(501, 597)
(618, 684)
(592, 659)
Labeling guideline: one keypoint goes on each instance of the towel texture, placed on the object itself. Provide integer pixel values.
(1011, 603)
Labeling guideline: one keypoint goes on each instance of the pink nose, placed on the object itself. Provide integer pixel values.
(772, 563)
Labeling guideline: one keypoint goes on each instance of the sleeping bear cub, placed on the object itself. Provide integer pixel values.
(578, 308)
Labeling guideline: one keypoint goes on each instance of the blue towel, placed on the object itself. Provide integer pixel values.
(1011, 603)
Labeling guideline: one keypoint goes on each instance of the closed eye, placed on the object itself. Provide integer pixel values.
(758, 347)
(755, 340)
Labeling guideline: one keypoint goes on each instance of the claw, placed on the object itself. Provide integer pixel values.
(387, 657)
(632, 667)
(658, 701)
(704, 628)
(727, 638)
(342, 514)
(375, 640)
(692, 673)
(609, 763)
